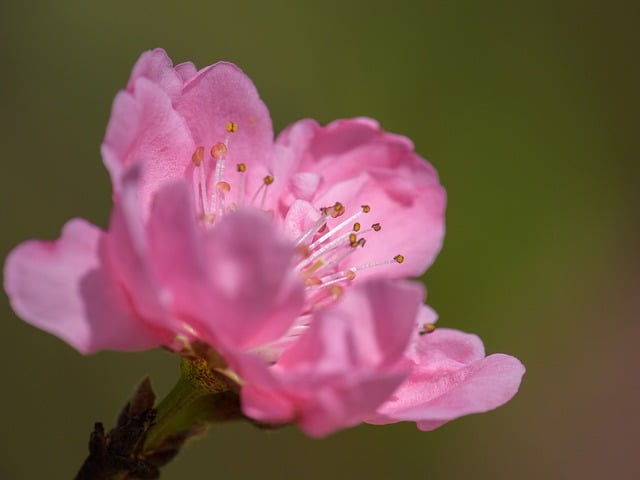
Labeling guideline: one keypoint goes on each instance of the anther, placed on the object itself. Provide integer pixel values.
(313, 268)
(336, 291)
(313, 281)
(232, 127)
(399, 258)
(366, 208)
(334, 211)
(223, 187)
(376, 227)
(427, 328)
(219, 150)
(338, 210)
(356, 227)
(241, 167)
(198, 156)
(353, 240)
(268, 180)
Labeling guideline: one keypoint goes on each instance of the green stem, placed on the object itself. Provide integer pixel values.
(147, 438)
(174, 413)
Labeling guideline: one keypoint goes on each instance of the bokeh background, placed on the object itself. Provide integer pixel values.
(529, 110)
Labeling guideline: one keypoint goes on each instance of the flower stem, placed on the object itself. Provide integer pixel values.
(174, 413)
(146, 438)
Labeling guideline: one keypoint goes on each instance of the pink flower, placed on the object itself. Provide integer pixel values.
(286, 257)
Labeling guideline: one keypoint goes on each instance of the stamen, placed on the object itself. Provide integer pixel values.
(197, 158)
(232, 127)
(266, 181)
(356, 227)
(334, 211)
(327, 211)
(313, 268)
(332, 279)
(426, 329)
(324, 249)
(313, 281)
(376, 227)
(241, 168)
(332, 262)
(396, 259)
(309, 232)
(219, 150)
(336, 291)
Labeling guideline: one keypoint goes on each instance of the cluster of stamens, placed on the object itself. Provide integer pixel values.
(321, 248)
(214, 198)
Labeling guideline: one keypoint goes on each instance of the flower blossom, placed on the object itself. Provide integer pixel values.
(286, 258)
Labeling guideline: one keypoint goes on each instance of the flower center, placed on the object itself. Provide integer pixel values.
(322, 248)
(215, 188)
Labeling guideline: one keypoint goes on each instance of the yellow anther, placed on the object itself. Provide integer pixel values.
(198, 156)
(232, 127)
(336, 291)
(223, 187)
(268, 180)
(313, 281)
(350, 274)
(361, 242)
(339, 210)
(219, 150)
(399, 258)
(313, 268)
(376, 227)
(356, 227)
(353, 239)
(336, 210)
(366, 208)
(241, 167)
(427, 328)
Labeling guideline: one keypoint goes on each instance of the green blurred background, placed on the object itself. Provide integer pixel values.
(528, 110)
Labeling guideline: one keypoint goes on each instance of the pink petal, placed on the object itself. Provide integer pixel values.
(235, 283)
(299, 218)
(379, 314)
(127, 251)
(343, 367)
(155, 65)
(358, 164)
(145, 129)
(256, 291)
(175, 256)
(186, 71)
(220, 94)
(452, 379)
(64, 288)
